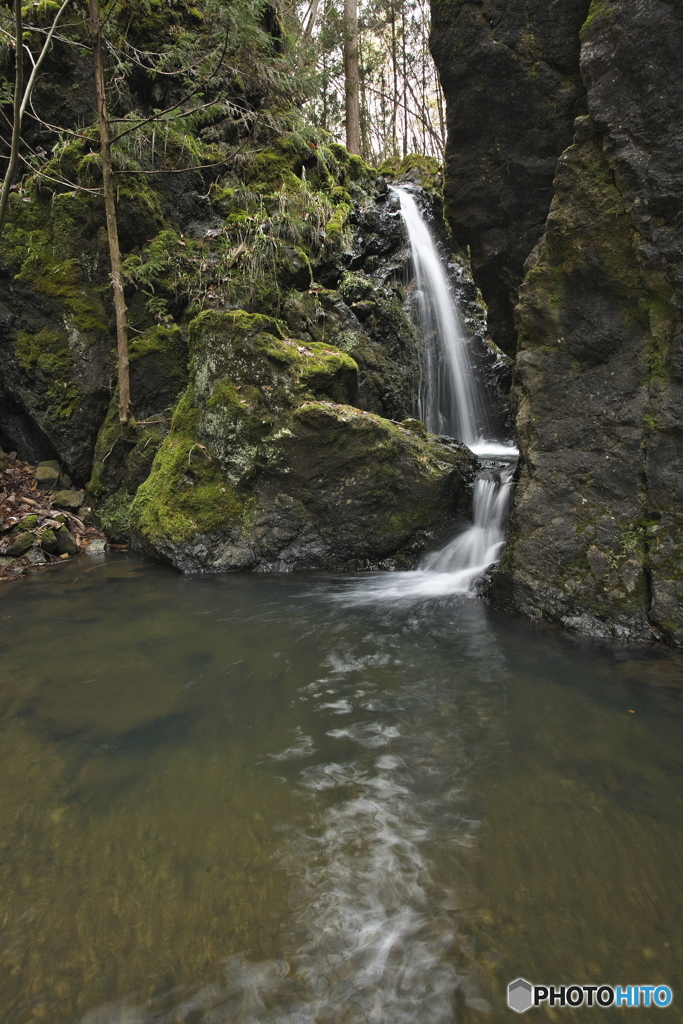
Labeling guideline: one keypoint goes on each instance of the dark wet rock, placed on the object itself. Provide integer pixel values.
(21, 544)
(48, 542)
(596, 538)
(65, 543)
(269, 466)
(510, 73)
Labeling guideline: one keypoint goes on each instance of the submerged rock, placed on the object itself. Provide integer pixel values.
(269, 465)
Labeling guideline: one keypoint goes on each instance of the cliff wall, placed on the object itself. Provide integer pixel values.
(596, 536)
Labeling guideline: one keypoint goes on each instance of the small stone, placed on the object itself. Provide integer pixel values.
(85, 514)
(69, 500)
(96, 547)
(46, 477)
(51, 463)
(36, 557)
(20, 545)
(66, 545)
(65, 482)
(65, 555)
(6, 562)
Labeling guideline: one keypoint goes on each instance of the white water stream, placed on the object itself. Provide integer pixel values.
(450, 401)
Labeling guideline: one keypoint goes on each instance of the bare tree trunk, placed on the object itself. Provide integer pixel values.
(352, 76)
(405, 78)
(312, 16)
(112, 226)
(394, 71)
(16, 124)
(366, 147)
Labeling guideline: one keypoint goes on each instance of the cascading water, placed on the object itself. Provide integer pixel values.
(452, 401)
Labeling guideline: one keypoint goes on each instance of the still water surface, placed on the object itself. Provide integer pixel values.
(241, 799)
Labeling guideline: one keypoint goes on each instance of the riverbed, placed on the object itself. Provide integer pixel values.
(255, 799)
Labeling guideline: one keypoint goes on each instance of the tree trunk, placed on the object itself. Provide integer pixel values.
(352, 76)
(405, 79)
(112, 226)
(312, 15)
(394, 72)
(16, 124)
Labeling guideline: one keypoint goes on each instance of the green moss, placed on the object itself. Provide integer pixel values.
(48, 355)
(206, 329)
(184, 495)
(53, 241)
(272, 168)
(337, 228)
(108, 435)
(598, 9)
(165, 345)
(113, 516)
(588, 206)
(186, 413)
(48, 350)
(415, 167)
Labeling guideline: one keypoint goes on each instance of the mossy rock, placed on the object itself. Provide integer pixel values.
(268, 465)
(416, 169)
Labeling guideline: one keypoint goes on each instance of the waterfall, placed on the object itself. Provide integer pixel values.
(452, 401)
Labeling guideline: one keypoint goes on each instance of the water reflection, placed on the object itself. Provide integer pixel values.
(228, 799)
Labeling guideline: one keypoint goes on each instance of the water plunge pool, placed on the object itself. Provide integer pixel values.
(237, 799)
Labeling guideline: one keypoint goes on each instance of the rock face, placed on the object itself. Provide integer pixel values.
(596, 537)
(510, 72)
(267, 466)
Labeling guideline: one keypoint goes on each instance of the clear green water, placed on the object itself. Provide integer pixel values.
(236, 799)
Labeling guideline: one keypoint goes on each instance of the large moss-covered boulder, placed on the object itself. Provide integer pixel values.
(269, 465)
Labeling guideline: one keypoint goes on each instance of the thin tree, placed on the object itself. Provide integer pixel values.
(352, 76)
(120, 310)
